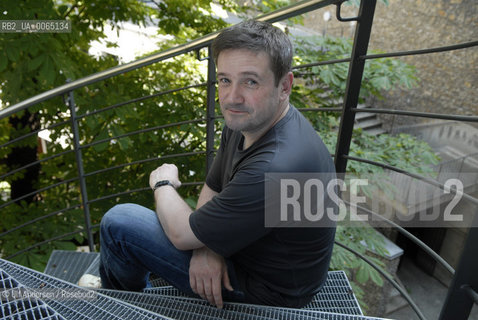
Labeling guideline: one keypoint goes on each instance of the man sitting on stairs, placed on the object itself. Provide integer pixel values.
(223, 251)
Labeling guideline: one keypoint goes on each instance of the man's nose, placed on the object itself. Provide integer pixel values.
(235, 95)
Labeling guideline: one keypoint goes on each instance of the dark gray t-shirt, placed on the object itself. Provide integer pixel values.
(276, 266)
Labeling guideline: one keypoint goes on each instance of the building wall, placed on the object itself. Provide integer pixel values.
(447, 81)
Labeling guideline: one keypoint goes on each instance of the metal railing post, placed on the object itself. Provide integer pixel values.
(210, 109)
(462, 291)
(81, 171)
(354, 81)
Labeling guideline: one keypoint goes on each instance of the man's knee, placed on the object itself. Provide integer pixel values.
(129, 219)
(116, 216)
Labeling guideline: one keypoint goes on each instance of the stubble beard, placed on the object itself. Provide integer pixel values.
(248, 123)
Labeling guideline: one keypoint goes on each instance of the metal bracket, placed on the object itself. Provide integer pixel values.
(339, 17)
(198, 55)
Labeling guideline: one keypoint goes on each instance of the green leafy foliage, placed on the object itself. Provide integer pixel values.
(255, 8)
(189, 19)
(359, 239)
(325, 84)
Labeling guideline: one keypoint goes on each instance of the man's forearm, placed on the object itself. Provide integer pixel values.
(173, 213)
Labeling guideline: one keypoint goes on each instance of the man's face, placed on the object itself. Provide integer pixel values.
(249, 99)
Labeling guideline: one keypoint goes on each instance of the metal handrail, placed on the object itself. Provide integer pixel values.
(458, 46)
(402, 291)
(169, 156)
(39, 244)
(51, 214)
(428, 115)
(30, 222)
(33, 133)
(51, 186)
(321, 63)
(154, 95)
(103, 75)
(142, 189)
(57, 155)
(164, 126)
(408, 235)
(413, 175)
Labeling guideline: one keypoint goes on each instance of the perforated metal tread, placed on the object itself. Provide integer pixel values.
(27, 308)
(335, 296)
(67, 300)
(335, 301)
(105, 304)
(180, 307)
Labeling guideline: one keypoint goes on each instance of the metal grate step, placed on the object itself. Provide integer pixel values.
(112, 304)
(180, 307)
(27, 308)
(335, 296)
(335, 301)
(58, 299)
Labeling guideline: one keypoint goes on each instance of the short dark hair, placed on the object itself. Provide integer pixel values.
(258, 36)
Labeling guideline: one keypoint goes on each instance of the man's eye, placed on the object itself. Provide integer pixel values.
(251, 83)
(223, 80)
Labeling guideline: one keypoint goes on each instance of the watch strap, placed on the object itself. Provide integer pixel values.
(162, 183)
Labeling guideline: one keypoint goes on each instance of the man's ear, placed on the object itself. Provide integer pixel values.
(285, 85)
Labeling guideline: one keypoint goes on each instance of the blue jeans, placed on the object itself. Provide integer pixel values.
(133, 245)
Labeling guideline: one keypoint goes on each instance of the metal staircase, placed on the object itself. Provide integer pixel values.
(29, 294)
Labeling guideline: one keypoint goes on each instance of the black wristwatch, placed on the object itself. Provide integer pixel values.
(163, 183)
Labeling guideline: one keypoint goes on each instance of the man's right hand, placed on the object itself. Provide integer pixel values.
(207, 274)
